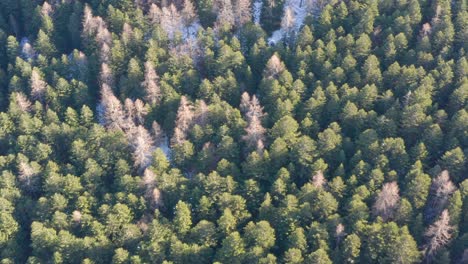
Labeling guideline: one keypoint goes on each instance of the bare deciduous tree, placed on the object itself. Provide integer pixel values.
(426, 29)
(225, 13)
(88, 27)
(110, 110)
(189, 15)
(38, 86)
(152, 193)
(441, 189)
(106, 76)
(242, 12)
(287, 23)
(171, 21)
(245, 102)
(255, 109)
(184, 120)
(436, 19)
(143, 146)
(103, 35)
(135, 112)
(154, 14)
(387, 201)
(105, 53)
(46, 9)
(28, 177)
(22, 102)
(274, 67)
(129, 107)
(149, 179)
(201, 113)
(340, 233)
(96, 27)
(318, 180)
(438, 234)
(27, 51)
(127, 33)
(255, 133)
(156, 198)
(76, 216)
(253, 112)
(140, 112)
(153, 92)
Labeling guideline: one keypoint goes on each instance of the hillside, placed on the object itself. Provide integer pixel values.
(233, 131)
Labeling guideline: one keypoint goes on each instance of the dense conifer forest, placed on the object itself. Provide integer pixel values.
(233, 131)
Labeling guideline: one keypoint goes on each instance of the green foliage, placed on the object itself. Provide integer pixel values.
(128, 137)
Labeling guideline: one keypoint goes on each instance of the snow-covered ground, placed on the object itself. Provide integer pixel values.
(165, 148)
(300, 11)
(190, 32)
(276, 37)
(257, 11)
(27, 51)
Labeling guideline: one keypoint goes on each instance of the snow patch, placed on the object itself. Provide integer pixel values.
(27, 51)
(257, 11)
(190, 32)
(164, 146)
(300, 10)
(276, 37)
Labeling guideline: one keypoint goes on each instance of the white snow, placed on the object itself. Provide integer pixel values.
(300, 10)
(276, 37)
(27, 51)
(190, 32)
(164, 146)
(257, 11)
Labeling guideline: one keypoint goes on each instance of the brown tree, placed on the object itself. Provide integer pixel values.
(171, 21)
(28, 51)
(46, 9)
(245, 102)
(152, 193)
(255, 133)
(188, 13)
(22, 102)
(135, 112)
(185, 115)
(438, 234)
(250, 106)
(28, 177)
(143, 146)
(201, 113)
(151, 85)
(88, 26)
(140, 112)
(253, 112)
(242, 12)
(110, 111)
(340, 233)
(154, 14)
(318, 180)
(274, 67)
(225, 13)
(387, 201)
(76, 216)
(38, 86)
(106, 76)
(96, 27)
(441, 189)
(127, 34)
(287, 23)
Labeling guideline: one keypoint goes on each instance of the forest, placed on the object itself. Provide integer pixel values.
(233, 131)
